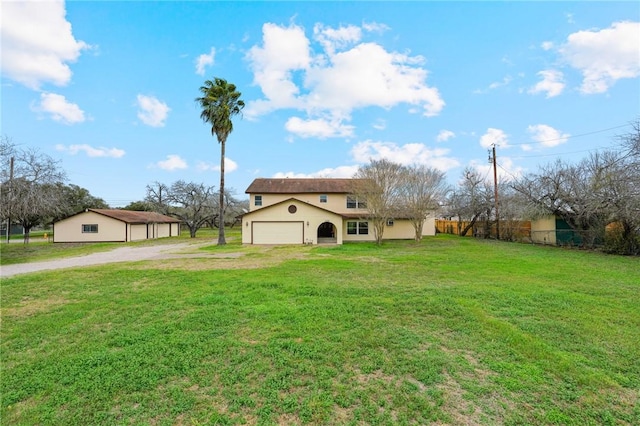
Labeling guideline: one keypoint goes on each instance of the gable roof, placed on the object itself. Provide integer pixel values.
(301, 186)
(289, 200)
(130, 216)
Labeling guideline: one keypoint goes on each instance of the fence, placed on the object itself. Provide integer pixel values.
(513, 230)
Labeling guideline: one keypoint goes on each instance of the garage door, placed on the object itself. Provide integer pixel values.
(277, 232)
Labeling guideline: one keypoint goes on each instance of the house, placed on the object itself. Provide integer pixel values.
(112, 225)
(312, 211)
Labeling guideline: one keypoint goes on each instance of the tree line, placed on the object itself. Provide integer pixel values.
(34, 192)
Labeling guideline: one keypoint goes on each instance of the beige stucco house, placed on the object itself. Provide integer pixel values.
(312, 211)
(112, 225)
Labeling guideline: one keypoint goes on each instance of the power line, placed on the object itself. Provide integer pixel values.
(559, 153)
(570, 136)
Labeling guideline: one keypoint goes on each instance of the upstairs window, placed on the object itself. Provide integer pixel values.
(323, 198)
(354, 203)
(257, 200)
(90, 229)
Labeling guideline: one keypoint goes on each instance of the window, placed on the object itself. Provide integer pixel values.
(89, 229)
(389, 222)
(323, 198)
(354, 203)
(360, 228)
(292, 209)
(258, 200)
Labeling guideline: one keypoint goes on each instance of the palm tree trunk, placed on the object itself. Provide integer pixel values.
(221, 239)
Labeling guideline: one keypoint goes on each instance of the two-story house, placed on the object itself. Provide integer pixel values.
(312, 211)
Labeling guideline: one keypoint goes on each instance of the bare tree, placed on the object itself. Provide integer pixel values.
(30, 186)
(599, 191)
(190, 202)
(379, 185)
(472, 200)
(423, 190)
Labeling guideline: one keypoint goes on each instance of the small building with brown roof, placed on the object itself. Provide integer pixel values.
(312, 211)
(113, 225)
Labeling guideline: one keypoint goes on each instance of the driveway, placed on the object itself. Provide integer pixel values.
(122, 254)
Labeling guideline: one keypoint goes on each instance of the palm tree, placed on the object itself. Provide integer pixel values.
(220, 101)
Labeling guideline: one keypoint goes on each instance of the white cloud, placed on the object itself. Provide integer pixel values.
(284, 50)
(411, 153)
(59, 108)
(173, 162)
(494, 137)
(204, 61)
(495, 85)
(604, 56)
(380, 124)
(547, 45)
(336, 38)
(445, 135)
(229, 166)
(343, 73)
(37, 43)
(152, 111)
(338, 172)
(546, 136)
(91, 151)
(319, 128)
(552, 83)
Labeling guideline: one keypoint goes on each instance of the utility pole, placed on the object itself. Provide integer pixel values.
(495, 190)
(10, 189)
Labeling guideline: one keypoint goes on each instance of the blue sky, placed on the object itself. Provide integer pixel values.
(109, 87)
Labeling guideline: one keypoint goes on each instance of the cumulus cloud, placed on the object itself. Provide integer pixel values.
(494, 137)
(411, 153)
(552, 83)
(445, 135)
(38, 43)
(333, 74)
(59, 108)
(546, 135)
(205, 60)
(604, 56)
(318, 128)
(229, 166)
(173, 162)
(91, 151)
(152, 111)
(337, 172)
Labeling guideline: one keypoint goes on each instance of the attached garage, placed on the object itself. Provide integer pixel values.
(278, 232)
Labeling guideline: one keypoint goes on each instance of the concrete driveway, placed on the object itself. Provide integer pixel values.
(121, 254)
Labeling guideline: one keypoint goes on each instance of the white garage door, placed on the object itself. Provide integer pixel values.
(277, 233)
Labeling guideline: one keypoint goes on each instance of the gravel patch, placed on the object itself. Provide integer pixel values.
(121, 254)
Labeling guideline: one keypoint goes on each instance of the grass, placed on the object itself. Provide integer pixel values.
(450, 331)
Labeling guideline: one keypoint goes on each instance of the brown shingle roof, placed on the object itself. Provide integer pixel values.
(130, 216)
(300, 186)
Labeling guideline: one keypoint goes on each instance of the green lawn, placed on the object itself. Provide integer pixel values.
(450, 331)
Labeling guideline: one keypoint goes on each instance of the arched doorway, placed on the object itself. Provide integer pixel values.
(327, 233)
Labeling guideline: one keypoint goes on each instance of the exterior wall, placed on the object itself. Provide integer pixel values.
(138, 232)
(335, 202)
(543, 230)
(70, 230)
(311, 218)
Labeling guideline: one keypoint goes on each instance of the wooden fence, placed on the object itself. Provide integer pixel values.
(509, 229)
